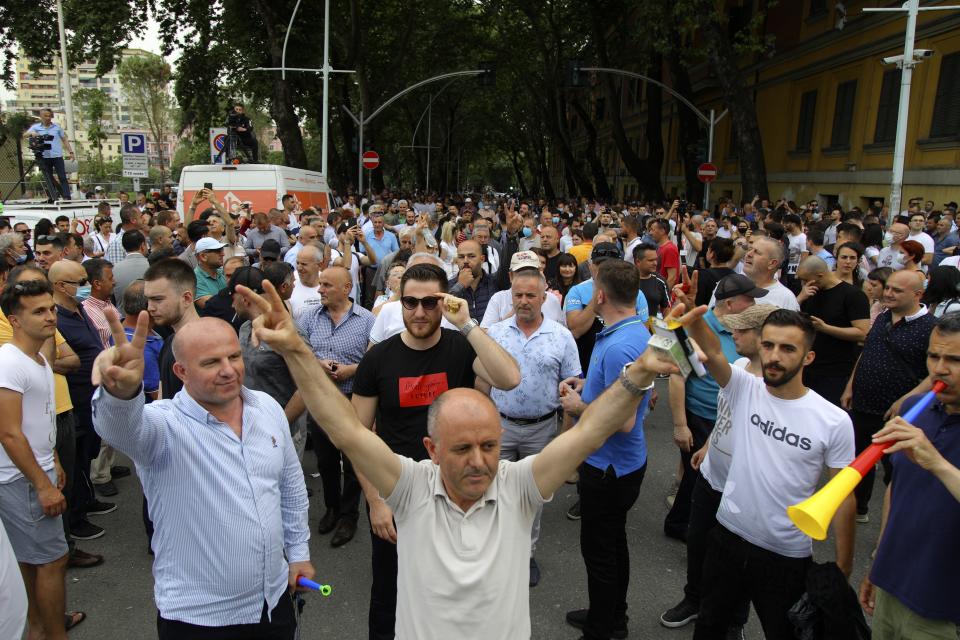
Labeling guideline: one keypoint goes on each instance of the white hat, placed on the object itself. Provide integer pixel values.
(208, 244)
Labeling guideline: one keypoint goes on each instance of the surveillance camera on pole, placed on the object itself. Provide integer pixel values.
(922, 53)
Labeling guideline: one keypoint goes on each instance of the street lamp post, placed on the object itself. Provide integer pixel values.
(906, 63)
(67, 95)
(711, 120)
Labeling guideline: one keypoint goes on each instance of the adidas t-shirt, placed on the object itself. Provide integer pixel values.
(781, 448)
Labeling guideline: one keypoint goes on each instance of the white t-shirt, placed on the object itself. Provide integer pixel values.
(798, 244)
(777, 294)
(716, 464)
(389, 322)
(923, 238)
(21, 373)
(952, 261)
(474, 573)
(303, 297)
(781, 449)
(686, 249)
(724, 233)
(13, 596)
(501, 304)
(628, 250)
(354, 272)
(890, 257)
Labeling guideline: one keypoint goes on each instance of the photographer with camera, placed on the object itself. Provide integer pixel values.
(47, 140)
(239, 124)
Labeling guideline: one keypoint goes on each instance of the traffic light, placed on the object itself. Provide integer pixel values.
(489, 76)
(573, 77)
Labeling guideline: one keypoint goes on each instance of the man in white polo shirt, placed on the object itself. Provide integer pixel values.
(475, 511)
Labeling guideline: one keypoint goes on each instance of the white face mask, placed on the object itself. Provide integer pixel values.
(888, 238)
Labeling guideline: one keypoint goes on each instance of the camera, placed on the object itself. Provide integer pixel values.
(235, 119)
(39, 143)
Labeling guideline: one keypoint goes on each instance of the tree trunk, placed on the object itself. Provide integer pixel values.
(518, 172)
(743, 111)
(690, 134)
(596, 166)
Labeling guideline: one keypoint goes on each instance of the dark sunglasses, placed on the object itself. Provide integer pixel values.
(76, 283)
(46, 239)
(429, 303)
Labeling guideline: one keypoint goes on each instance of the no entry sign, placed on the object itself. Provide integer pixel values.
(707, 172)
(371, 159)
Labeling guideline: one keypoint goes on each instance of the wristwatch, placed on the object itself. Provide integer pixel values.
(630, 386)
(469, 326)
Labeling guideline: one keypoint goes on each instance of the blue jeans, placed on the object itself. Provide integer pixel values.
(48, 166)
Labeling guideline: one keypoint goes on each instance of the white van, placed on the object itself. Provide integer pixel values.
(260, 185)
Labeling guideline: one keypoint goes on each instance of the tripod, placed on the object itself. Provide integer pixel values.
(22, 179)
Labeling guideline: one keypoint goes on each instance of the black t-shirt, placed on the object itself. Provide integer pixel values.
(707, 280)
(169, 382)
(837, 306)
(655, 291)
(406, 381)
(552, 270)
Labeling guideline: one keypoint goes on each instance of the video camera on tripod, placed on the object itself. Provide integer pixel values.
(39, 143)
(241, 146)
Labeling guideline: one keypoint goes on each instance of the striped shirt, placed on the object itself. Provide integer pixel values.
(115, 251)
(94, 309)
(344, 343)
(226, 509)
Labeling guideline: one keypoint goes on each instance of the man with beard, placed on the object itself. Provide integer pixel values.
(472, 283)
(395, 384)
(785, 434)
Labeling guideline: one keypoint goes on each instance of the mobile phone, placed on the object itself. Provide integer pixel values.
(208, 186)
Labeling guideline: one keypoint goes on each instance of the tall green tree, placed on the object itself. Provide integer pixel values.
(145, 81)
(94, 104)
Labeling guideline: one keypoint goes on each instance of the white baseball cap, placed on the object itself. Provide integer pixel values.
(208, 244)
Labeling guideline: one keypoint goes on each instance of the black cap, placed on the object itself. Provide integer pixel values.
(270, 249)
(604, 250)
(737, 285)
(250, 277)
(951, 205)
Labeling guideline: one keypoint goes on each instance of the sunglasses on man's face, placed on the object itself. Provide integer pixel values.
(429, 303)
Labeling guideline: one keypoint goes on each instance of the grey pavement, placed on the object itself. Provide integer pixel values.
(118, 595)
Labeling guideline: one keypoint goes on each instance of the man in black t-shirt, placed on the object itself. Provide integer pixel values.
(395, 384)
(720, 256)
(841, 315)
(653, 287)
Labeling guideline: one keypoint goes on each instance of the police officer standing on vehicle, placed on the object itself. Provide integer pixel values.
(49, 153)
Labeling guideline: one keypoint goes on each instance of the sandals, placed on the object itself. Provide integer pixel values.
(73, 618)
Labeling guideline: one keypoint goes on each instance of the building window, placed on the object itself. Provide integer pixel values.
(946, 109)
(889, 106)
(843, 114)
(808, 110)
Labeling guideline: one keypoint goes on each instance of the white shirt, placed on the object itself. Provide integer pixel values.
(389, 322)
(923, 238)
(777, 294)
(781, 449)
(716, 464)
(798, 244)
(472, 579)
(34, 381)
(687, 250)
(501, 305)
(890, 257)
(628, 250)
(566, 242)
(13, 596)
(303, 297)
(354, 271)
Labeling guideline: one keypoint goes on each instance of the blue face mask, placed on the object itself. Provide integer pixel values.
(21, 259)
(527, 232)
(587, 219)
(556, 219)
(82, 293)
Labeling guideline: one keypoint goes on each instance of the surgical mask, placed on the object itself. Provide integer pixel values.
(527, 232)
(556, 219)
(587, 219)
(816, 216)
(82, 293)
(20, 259)
(888, 238)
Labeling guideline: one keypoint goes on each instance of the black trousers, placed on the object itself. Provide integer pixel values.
(605, 501)
(281, 625)
(88, 448)
(703, 519)
(66, 446)
(864, 426)
(735, 570)
(679, 514)
(382, 617)
(343, 500)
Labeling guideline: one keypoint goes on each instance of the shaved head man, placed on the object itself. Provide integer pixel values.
(472, 283)
(306, 289)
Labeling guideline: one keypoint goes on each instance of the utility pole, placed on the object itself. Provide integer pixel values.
(905, 63)
(67, 95)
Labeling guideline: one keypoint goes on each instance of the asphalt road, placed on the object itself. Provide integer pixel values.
(118, 595)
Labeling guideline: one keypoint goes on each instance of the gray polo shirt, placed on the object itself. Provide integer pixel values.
(471, 577)
(127, 271)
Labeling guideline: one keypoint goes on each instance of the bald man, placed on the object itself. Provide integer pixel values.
(306, 289)
(841, 316)
(476, 511)
(891, 256)
(220, 471)
(892, 367)
(338, 331)
(472, 283)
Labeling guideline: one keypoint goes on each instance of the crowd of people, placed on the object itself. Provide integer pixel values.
(454, 362)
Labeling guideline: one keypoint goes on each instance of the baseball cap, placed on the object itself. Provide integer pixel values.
(270, 249)
(605, 250)
(737, 284)
(951, 205)
(524, 260)
(250, 277)
(750, 318)
(98, 188)
(468, 200)
(209, 244)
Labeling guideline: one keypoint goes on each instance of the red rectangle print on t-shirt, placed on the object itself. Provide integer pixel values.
(420, 391)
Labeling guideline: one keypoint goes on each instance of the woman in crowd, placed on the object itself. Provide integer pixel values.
(393, 286)
(911, 254)
(568, 275)
(448, 247)
(848, 263)
(872, 240)
(873, 288)
(942, 295)
(102, 235)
